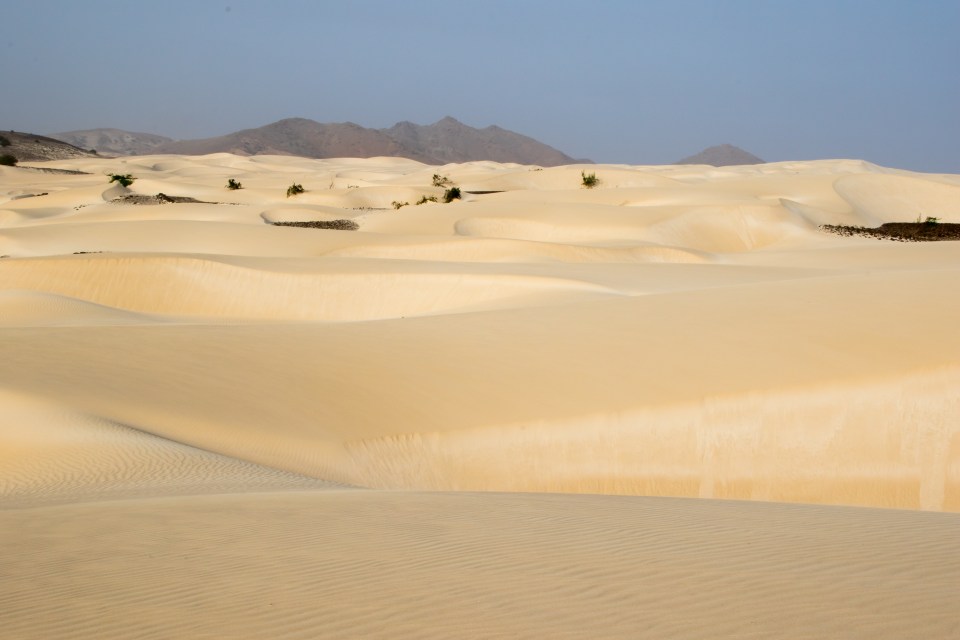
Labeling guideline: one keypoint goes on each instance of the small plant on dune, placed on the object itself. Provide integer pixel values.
(125, 179)
(397, 204)
(441, 181)
(931, 220)
(589, 180)
(426, 199)
(4, 141)
(233, 185)
(451, 194)
(295, 189)
(8, 160)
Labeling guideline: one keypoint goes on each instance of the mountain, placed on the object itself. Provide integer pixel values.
(113, 141)
(722, 156)
(449, 140)
(295, 137)
(30, 147)
(445, 141)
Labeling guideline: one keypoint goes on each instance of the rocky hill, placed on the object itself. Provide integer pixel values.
(30, 147)
(722, 156)
(114, 142)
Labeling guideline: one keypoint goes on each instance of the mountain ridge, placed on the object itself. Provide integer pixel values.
(32, 147)
(446, 141)
(113, 141)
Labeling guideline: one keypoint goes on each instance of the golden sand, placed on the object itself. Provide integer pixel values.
(211, 426)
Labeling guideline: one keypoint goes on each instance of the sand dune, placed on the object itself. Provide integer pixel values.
(52, 454)
(211, 426)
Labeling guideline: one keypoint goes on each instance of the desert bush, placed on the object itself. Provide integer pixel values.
(8, 160)
(426, 199)
(4, 141)
(441, 181)
(233, 185)
(294, 189)
(451, 194)
(931, 220)
(396, 204)
(125, 179)
(339, 225)
(590, 180)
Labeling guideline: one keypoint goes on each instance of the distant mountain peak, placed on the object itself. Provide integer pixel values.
(722, 155)
(445, 141)
(449, 140)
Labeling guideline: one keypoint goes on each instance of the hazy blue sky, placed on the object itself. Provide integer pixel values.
(616, 81)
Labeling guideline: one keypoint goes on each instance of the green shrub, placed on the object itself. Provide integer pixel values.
(294, 189)
(451, 194)
(441, 181)
(396, 204)
(590, 180)
(4, 141)
(931, 220)
(233, 185)
(125, 179)
(8, 160)
(425, 199)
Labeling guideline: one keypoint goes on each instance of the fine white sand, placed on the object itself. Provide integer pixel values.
(211, 426)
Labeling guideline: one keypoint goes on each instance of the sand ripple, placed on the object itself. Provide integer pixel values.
(348, 564)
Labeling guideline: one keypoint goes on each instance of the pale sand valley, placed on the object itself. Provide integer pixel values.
(668, 406)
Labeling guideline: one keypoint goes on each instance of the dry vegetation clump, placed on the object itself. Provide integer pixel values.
(931, 230)
(295, 189)
(160, 198)
(339, 225)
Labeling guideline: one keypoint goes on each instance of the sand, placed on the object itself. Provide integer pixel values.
(668, 407)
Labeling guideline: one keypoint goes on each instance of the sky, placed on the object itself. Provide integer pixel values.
(631, 81)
